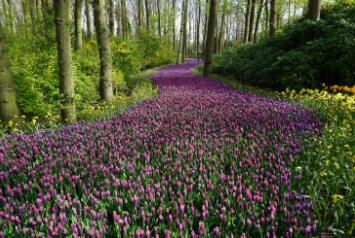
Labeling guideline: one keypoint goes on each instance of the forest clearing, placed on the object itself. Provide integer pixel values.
(177, 118)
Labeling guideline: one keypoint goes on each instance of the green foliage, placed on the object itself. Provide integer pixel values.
(155, 51)
(302, 54)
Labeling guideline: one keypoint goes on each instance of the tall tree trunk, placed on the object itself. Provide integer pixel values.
(221, 29)
(180, 45)
(147, 14)
(124, 19)
(210, 38)
(184, 35)
(251, 23)
(65, 74)
(78, 18)
(313, 12)
(111, 16)
(272, 20)
(266, 15)
(26, 12)
(173, 22)
(118, 19)
(247, 21)
(159, 18)
(261, 5)
(198, 31)
(140, 13)
(88, 19)
(39, 10)
(33, 12)
(103, 41)
(205, 29)
(9, 109)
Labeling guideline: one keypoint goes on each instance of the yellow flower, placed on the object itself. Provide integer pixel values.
(323, 174)
(337, 197)
(337, 167)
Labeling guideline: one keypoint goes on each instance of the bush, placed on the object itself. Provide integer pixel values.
(302, 54)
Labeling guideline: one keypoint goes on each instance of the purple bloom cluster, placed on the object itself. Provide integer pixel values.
(201, 159)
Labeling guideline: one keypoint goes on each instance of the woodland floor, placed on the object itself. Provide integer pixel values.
(200, 158)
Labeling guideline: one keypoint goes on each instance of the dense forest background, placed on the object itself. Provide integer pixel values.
(69, 60)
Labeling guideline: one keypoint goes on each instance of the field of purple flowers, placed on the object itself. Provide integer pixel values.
(200, 160)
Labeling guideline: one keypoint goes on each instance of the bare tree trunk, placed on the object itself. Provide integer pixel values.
(118, 19)
(184, 35)
(124, 19)
(173, 21)
(267, 14)
(111, 16)
(78, 18)
(9, 109)
(65, 74)
(39, 10)
(147, 14)
(88, 19)
(140, 13)
(272, 20)
(313, 12)
(251, 23)
(221, 29)
(159, 18)
(205, 30)
(26, 12)
(247, 21)
(198, 30)
(103, 41)
(261, 4)
(210, 38)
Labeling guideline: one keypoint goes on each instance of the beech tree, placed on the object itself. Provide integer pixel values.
(272, 20)
(78, 44)
(210, 37)
(313, 11)
(65, 74)
(9, 109)
(103, 41)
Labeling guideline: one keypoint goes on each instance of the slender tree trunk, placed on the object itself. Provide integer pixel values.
(33, 12)
(111, 16)
(159, 18)
(184, 35)
(272, 20)
(198, 31)
(266, 15)
(9, 109)
(147, 14)
(39, 10)
(205, 29)
(180, 47)
(313, 12)
(65, 74)
(103, 41)
(251, 23)
(118, 19)
(173, 22)
(88, 19)
(247, 21)
(221, 29)
(124, 19)
(78, 18)
(210, 38)
(261, 4)
(26, 12)
(140, 13)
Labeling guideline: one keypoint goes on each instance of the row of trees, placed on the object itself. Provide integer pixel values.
(198, 28)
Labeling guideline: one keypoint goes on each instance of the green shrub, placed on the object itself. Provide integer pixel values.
(302, 54)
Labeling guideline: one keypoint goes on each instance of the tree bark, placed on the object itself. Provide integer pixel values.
(88, 19)
(78, 18)
(261, 5)
(103, 42)
(65, 74)
(205, 30)
(39, 10)
(247, 21)
(221, 29)
(313, 12)
(140, 13)
(118, 19)
(26, 12)
(173, 22)
(124, 19)
(184, 35)
(111, 16)
(251, 23)
(272, 20)
(180, 46)
(147, 14)
(159, 18)
(9, 109)
(198, 30)
(210, 38)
